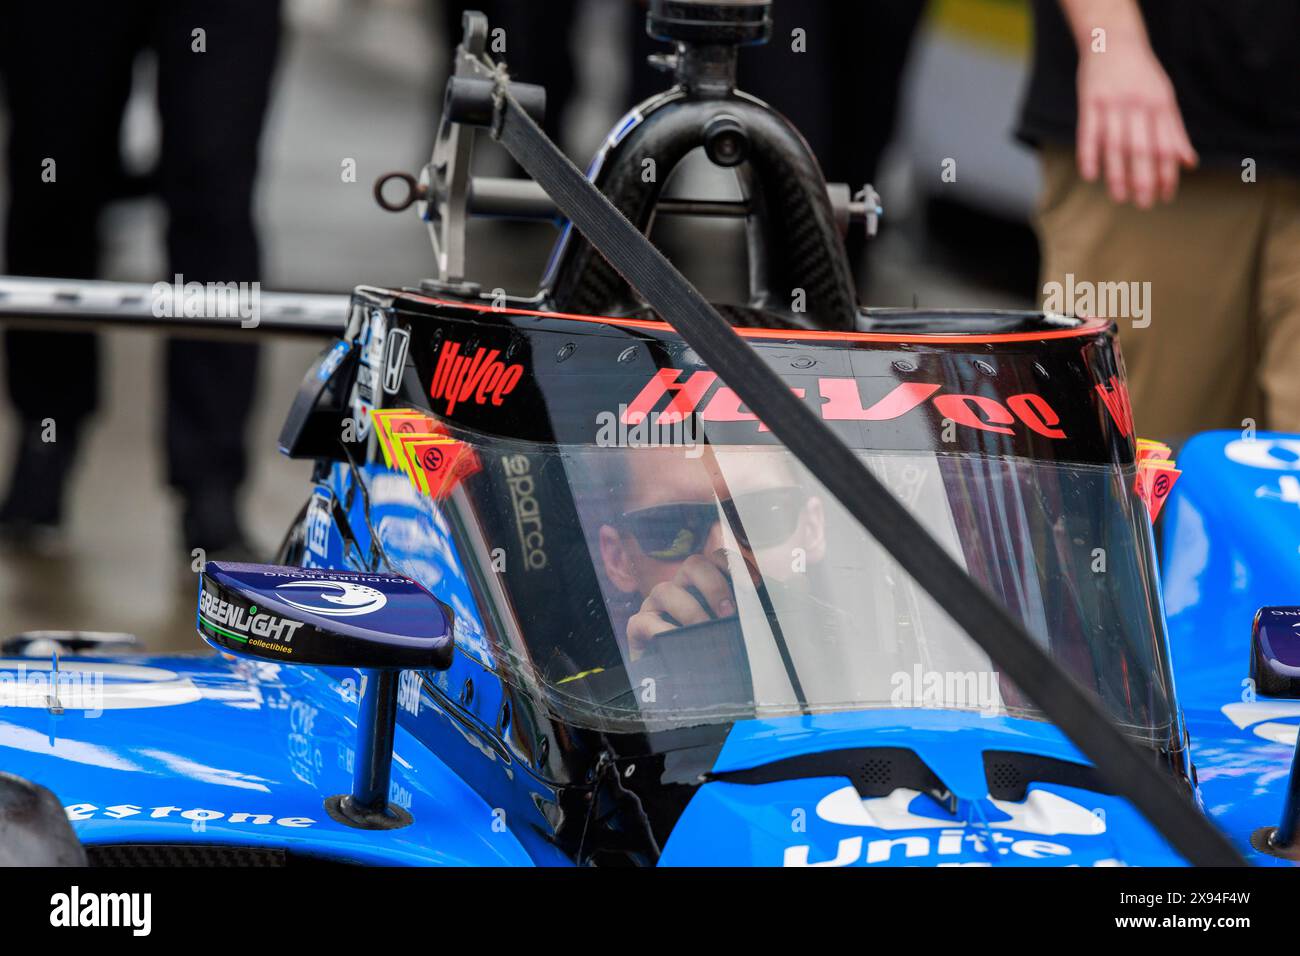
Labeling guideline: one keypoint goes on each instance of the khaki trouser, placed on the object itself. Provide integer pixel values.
(1223, 266)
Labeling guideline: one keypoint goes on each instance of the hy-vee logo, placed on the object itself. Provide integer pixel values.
(479, 378)
(841, 400)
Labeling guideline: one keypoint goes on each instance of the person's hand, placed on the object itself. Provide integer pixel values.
(700, 591)
(1130, 124)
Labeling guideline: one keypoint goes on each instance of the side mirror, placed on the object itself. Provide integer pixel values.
(1275, 651)
(313, 427)
(1275, 669)
(380, 623)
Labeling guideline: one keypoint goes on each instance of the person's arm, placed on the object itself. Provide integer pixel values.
(1129, 121)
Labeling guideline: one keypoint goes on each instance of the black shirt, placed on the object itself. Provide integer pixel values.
(1235, 66)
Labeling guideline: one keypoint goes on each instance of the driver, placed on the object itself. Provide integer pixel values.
(680, 522)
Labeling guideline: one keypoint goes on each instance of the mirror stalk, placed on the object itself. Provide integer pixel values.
(367, 805)
(1281, 840)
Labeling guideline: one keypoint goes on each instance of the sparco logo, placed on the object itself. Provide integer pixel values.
(528, 513)
(217, 612)
(480, 378)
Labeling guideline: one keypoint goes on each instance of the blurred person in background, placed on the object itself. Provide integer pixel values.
(1169, 133)
(67, 72)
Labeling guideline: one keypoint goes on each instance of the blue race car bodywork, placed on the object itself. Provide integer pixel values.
(202, 751)
(1230, 547)
(215, 752)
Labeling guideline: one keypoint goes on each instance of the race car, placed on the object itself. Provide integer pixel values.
(616, 575)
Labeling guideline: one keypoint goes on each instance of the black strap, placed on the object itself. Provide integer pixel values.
(829, 460)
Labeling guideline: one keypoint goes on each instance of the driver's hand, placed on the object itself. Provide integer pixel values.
(700, 591)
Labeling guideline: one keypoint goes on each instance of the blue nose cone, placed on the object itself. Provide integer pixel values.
(907, 787)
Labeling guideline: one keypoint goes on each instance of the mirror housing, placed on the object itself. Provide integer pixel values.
(326, 618)
(1275, 651)
(381, 623)
(313, 427)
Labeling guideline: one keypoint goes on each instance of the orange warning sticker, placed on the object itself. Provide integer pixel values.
(437, 464)
(417, 445)
(1148, 449)
(1155, 480)
(391, 422)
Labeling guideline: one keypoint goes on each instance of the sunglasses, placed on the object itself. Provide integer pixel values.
(673, 532)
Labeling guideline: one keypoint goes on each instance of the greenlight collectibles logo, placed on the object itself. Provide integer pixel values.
(240, 623)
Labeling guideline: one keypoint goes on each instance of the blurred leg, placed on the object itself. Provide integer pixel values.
(66, 101)
(1279, 308)
(1193, 367)
(866, 98)
(800, 84)
(212, 105)
(842, 88)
